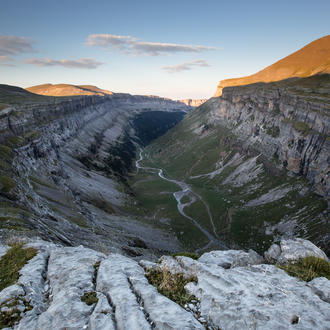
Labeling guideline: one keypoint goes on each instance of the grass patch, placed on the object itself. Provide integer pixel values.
(7, 183)
(12, 262)
(191, 255)
(301, 127)
(34, 181)
(89, 298)
(185, 199)
(78, 220)
(97, 265)
(11, 314)
(308, 268)
(171, 285)
(273, 131)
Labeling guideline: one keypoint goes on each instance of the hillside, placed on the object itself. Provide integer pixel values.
(312, 59)
(82, 149)
(67, 90)
(244, 168)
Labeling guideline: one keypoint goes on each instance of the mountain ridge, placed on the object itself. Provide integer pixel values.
(314, 58)
(67, 90)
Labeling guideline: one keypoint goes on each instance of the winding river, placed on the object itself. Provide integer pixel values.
(178, 195)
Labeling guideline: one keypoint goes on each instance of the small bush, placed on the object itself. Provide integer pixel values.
(12, 262)
(308, 268)
(171, 285)
(89, 298)
(191, 255)
(7, 183)
(301, 127)
(273, 131)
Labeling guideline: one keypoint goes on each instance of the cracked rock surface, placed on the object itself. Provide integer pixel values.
(235, 290)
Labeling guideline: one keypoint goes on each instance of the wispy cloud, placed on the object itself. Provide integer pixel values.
(6, 61)
(109, 40)
(82, 63)
(131, 45)
(185, 66)
(12, 45)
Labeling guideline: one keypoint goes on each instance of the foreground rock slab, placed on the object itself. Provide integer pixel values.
(235, 290)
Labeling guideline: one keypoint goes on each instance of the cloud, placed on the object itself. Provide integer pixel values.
(11, 45)
(132, 45)
(6, 61)
(185, 66)
(157, 48)
(109, 40)
(82, 63)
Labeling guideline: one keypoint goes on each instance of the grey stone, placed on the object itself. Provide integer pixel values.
(321, 286)
(11, 292)
(238, 296)
(124, 282)
(256, 297)
(292, 250)
(273, 253)
(148, 265)
(231, 258)
(70, 274)
(102, 316)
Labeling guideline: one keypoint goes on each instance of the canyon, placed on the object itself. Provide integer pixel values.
(106, 190)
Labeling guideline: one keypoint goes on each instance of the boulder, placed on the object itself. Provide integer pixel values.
(291, 250)
(231, 258)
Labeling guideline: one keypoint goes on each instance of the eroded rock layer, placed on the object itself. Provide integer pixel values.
(232, 290)
(65, 163)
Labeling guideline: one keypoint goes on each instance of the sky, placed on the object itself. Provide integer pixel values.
(177, 49)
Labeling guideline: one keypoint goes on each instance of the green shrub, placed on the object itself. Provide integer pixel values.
(89, 298)
(7, 183)
(171, 285)
(273, 131)
(12, 262)
(301, 127)
(5, 151)
(308, 268)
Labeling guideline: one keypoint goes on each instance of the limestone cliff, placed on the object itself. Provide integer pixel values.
(287, 121)
(309, 60)
(193, 102)
(65, 162)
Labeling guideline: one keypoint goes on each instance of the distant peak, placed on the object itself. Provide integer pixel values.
(67, 90)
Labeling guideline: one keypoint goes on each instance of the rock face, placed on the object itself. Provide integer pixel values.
(193, 102)
(67, 161)
(310, 60)
(228, 295)
(293, 249)
(287, 121)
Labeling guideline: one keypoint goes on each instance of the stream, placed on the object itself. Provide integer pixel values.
(178, 195)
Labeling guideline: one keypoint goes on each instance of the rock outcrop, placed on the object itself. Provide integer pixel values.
(64, 167)
(227, 295)
(287, 121)
(293, 249)
(193, 102)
